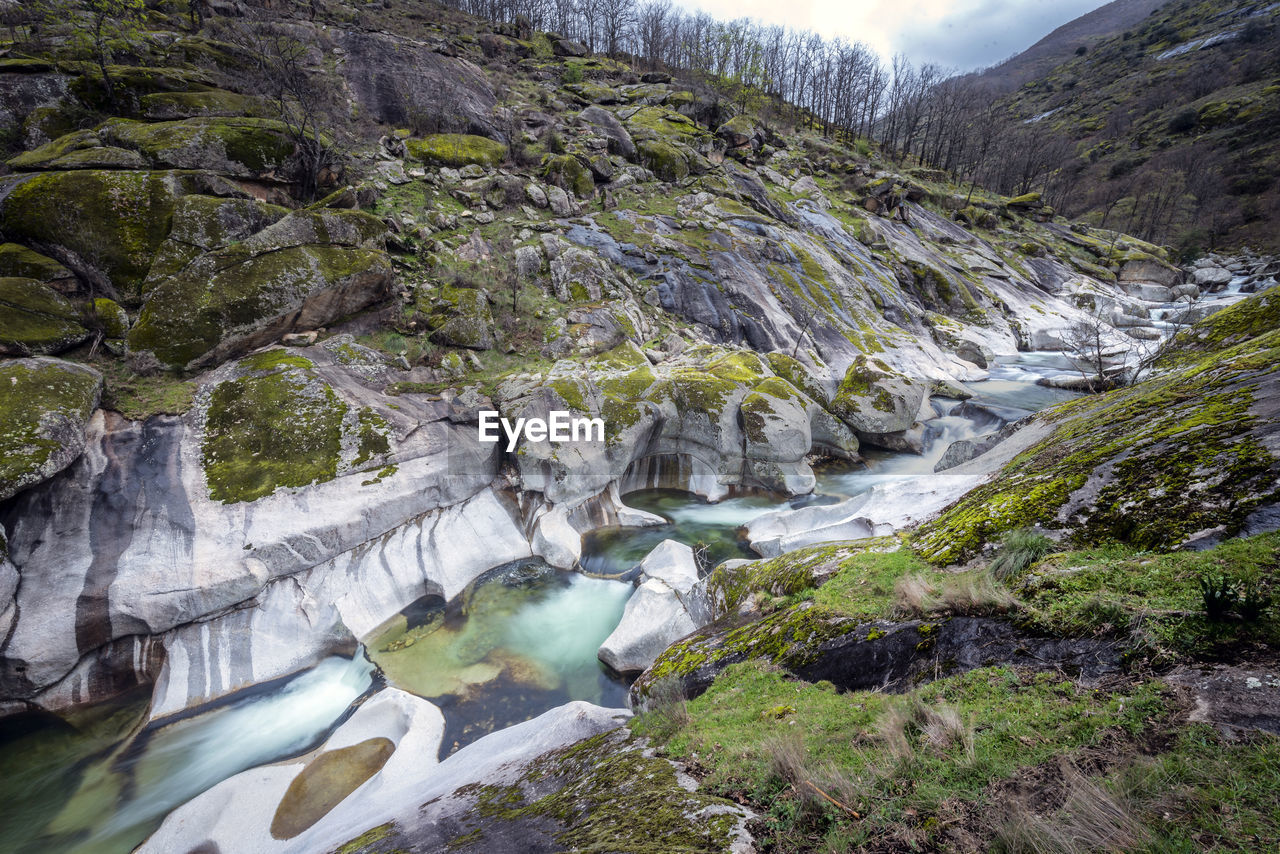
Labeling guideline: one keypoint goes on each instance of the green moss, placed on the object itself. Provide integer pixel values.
(38, 400)
(36, 320)
(1235, 324)
(791, 370)
(664, 159)
(606, 794)
(115, 220)
(373, 431)
(277, 426)
(233, 289)
(364, 842)
(112, 318)
(567, 172)
(454, 149)
(23, 263)
(1169, 457)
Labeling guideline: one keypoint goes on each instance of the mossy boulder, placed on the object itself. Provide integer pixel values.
(133, 83)
(1027, 201)
(205, 223)
(666, 160)
(457, 149)
(113, 319)
(270, 421)
(302, 272)
(739, 131)
(111, 222)
(162, 106)
(36, 320)
(460, 317)
(794, 372)
(875, 399)
(239, 147)
(569, 173)
(21, 262)
(45, 406)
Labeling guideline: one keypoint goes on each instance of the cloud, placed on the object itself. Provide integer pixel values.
(962, 34)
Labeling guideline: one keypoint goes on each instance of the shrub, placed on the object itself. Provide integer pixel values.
(572, 73)
(1184, 122)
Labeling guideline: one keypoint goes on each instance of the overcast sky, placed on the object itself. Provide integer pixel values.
(962, 34)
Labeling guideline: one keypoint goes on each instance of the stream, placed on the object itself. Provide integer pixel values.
(518, 641)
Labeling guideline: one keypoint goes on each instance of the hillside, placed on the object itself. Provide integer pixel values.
(1107, 21)
(1171, 125)
(923, 518)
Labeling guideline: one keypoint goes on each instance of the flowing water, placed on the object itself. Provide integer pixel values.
(520, 640)
(102, 787)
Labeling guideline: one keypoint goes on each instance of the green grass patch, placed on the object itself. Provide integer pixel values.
(898, 762)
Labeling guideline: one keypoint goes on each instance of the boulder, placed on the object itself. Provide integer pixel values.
(873, 398)
(1150, 271)
(569, 47)
(397, 80)
(464, 319)
(45, 406)
(36, 320)
(1209, 277)
(457, 150)
(658, 613)
(238, 147)
(558, 200)
(302, 272)
(104, 225)
(607, 123)
(568, 173)
(23, 263)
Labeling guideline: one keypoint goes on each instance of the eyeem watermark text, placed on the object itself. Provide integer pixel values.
(558, 426)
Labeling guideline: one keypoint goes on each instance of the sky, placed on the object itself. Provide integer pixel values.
(960, 34)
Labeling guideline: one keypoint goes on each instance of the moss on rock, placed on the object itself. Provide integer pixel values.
(605, 793)
(1153, 465)
(276, 425)
(45, 405)
(20, 262)
(113, 221)
(36, 320)
(457, 149)
(309, 268)
(664, 159)
(568, 173)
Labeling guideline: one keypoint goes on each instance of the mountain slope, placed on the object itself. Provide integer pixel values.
(1171, 125)
(1061, 44)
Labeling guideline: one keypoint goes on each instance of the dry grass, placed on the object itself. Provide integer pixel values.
(1093, 819)
(968, 594)
(907, 727)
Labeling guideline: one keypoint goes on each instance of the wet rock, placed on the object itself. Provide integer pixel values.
(658, 613)
(875, 399)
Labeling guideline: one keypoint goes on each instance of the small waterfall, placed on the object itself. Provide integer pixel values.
(124, 796)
